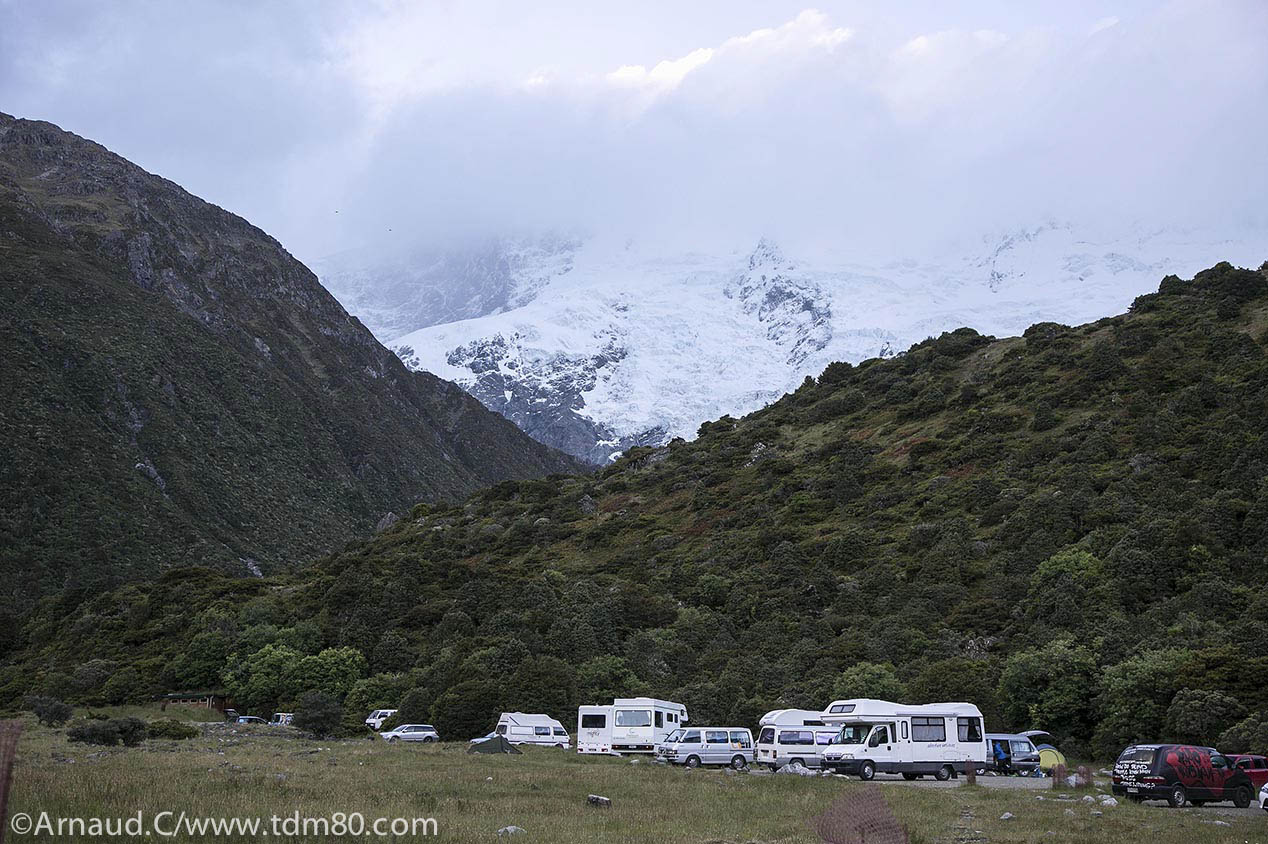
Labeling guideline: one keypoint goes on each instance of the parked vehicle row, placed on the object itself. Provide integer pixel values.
(864, 737)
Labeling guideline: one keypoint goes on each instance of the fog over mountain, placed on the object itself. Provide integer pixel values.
(339, 125)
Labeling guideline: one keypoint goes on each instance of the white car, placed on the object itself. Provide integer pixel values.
(1263, 797)
(412, 732)
(376, 718)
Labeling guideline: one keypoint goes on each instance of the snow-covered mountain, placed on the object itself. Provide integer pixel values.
(593, 347)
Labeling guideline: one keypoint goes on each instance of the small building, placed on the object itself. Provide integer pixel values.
(211, 700)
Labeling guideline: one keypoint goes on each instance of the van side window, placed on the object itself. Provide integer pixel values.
(741, 738)
(593, 722)
(560, 731)
(716, 737)
(1218, 761)
(881, 736)
(541, 731)
(690, 737)
(970, 729)
(904, 723)
(824, 738)
(928, 729)
(659, 718)
(501, 730)
(767, 735)
(796, 737)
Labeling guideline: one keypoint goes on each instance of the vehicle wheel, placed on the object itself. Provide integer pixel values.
(1177, 797)
(391, 740)
(867, 770)
(693, 761)
(739, 763)
(1241, 797)
(428, 740)
(909, 777)
(944, 773)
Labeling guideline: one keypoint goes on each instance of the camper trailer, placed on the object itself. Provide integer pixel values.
(787, 736)
(628, 725)
(523, 728)
(877, 736)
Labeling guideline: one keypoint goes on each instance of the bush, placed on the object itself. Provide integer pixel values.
(170, 728)
(318, 714)
(49, 711)
(868, 679)
(1249, 735)
(1200, 717)
(126, 731)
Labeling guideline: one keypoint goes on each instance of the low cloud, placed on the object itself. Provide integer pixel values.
(334, 128)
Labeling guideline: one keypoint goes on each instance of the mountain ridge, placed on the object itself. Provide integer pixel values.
(633, 344)
(180, 389)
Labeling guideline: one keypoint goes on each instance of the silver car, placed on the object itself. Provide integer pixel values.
(412, 732)
(708, 746)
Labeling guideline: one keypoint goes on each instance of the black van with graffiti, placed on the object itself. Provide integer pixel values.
(1180, 773)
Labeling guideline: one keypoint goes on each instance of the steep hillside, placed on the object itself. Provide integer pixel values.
(1067, 527)
(177, 389)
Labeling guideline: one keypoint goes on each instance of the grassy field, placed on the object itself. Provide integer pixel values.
(261, 772)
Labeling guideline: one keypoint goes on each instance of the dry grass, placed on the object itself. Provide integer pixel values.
(247, 772)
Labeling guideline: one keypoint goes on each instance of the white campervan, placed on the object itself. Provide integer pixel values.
(785, 736)
(523, 728)
(879, 736)
(628, 725)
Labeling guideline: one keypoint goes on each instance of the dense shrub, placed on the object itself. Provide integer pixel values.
(318, 714)
(170, 728)
(128, 731)
(49, 711)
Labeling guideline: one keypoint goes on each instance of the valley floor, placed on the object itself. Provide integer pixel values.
(246, 773)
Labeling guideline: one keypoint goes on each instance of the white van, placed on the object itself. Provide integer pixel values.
(785, 736)
(696, 746)
(376, 718)
(523, 728)
(628, 725)
(874, 736)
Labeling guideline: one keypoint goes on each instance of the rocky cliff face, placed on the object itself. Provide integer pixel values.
(180, 390)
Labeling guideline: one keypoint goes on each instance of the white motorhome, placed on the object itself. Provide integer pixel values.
(628, 725)
(785, 736)
(874, 736)
(524, 728)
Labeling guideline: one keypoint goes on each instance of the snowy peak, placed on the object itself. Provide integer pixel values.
(592, 346)
(795, 312)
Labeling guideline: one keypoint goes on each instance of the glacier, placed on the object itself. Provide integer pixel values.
(594, 345)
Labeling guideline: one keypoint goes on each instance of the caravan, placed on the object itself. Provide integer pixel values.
(521, 728)
(874, 736)
(628, 725)
(787, 736)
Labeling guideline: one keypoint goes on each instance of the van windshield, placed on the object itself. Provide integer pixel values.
(853, 733)
(674, 736)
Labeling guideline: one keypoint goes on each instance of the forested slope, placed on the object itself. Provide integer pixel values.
(1067, 527)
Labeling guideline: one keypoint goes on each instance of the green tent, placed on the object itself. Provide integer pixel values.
(496, 744)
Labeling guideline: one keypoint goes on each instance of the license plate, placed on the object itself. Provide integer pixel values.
(1133, 791)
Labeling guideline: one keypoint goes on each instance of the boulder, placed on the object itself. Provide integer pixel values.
(1007, 816)
(599, 800)
(511, 830)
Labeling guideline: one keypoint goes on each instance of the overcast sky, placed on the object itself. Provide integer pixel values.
(711, 120)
